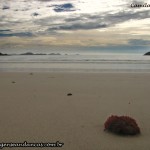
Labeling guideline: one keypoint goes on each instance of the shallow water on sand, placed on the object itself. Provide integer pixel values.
(76, 63)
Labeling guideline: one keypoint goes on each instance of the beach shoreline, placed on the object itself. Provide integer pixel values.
(35, 107)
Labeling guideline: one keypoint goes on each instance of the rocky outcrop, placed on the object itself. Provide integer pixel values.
(148, 53)
(1, 54)
(30, 53)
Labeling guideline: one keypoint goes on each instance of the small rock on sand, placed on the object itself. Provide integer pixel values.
(69, 94)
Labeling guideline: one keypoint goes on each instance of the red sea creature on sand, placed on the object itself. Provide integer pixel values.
(122, 125)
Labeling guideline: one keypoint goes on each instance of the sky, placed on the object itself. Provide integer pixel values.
(74, 24)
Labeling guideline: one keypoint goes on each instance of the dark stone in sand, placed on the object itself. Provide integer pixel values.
(69, 94)
(13, 82)
(148, 53)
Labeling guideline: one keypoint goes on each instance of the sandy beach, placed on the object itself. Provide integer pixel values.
(35, 108)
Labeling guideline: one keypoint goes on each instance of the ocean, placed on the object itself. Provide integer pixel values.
(84, 62)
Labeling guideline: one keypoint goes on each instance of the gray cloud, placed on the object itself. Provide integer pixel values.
(4, 23)
(45, 0)
(86, 21)
(5, 7)
(139, 42)
(125, 16)
(20, 34)
(4, 30)
(51, 0)
(48, 21)
(29, 26)
(78, 26)
(64, 7)
(35, 14)
(138, 1)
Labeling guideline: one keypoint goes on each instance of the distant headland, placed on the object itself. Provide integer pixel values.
(2, 54)
(28, 53)
(148, 53)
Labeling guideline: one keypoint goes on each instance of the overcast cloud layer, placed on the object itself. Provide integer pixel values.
(34, 18)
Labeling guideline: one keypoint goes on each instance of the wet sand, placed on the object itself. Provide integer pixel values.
(37, 108)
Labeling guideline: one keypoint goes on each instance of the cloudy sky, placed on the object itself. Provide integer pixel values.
(97, 24)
